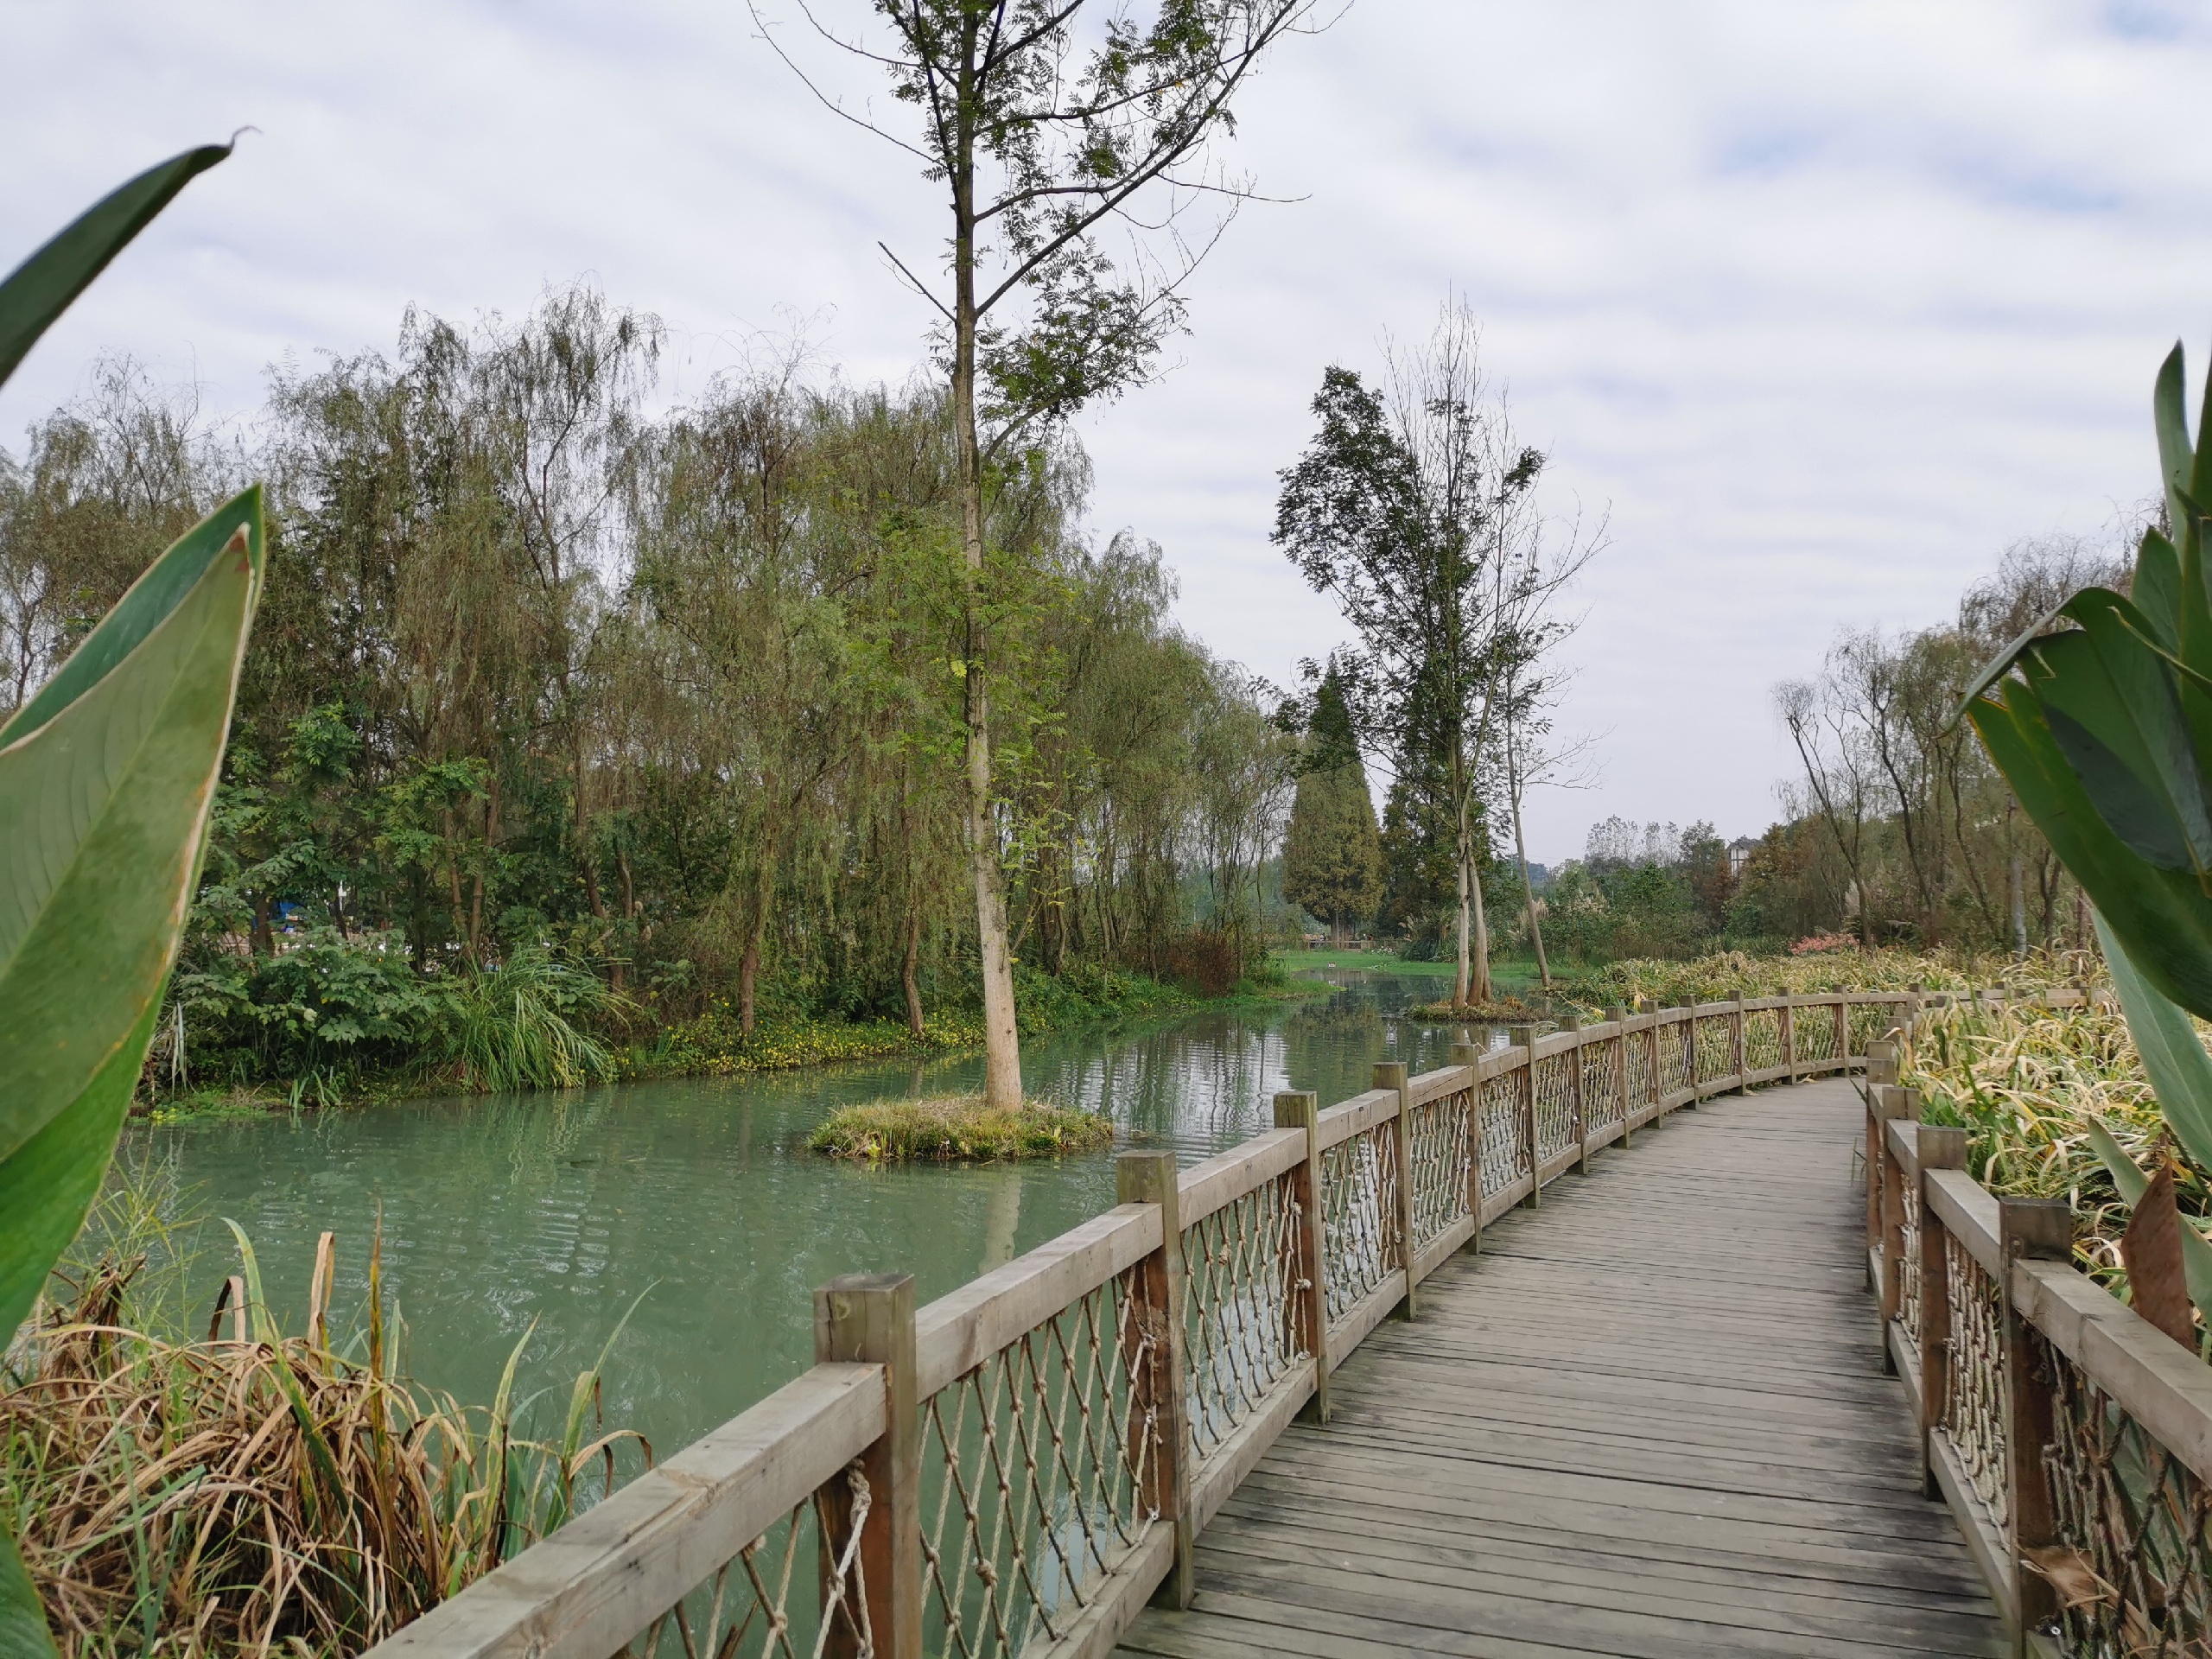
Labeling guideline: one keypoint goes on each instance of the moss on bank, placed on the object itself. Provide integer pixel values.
(958, 1129)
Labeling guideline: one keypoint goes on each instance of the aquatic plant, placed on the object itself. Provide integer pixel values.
(520, 1025)
(1728, 974)
(959, 1128)
(2057, 1102)
(255, 1491)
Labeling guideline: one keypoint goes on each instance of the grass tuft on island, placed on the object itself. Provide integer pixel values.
(958, 1129)
(1504, 1011)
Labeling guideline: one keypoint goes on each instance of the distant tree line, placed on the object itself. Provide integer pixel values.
(676, 695)
(1901, 832)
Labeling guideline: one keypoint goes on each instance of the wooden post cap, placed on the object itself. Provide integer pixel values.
(1466, 1053)
(1296, 1108)
(1389, 1074)
(1570, 1020)
(1144, 1177)
(1520, 1036)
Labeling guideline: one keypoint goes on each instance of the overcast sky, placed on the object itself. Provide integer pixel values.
(1826, 303)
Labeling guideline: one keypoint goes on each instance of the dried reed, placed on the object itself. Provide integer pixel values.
(252, 1492)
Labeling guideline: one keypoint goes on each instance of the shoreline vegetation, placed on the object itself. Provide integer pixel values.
(711, 1043)
(958, 1129)
(242, 1488)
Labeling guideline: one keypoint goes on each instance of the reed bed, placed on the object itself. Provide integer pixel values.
(254, 1492)
(2024, 1082)
(1725, 974)
(958, 1129)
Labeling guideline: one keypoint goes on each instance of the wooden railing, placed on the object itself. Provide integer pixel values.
(2070, 1437)
(1019, 1467)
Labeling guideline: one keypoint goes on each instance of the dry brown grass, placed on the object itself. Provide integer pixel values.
(257, 1493)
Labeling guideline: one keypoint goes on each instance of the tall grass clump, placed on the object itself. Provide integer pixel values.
(1727, 973)
(520, 1025)
(959, 1128)
(251, 1491)
(2026, 1083)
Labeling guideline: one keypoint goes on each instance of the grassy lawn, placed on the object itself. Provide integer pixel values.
(1513, 975)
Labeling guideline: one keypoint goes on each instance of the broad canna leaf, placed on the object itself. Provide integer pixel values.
(40, 290)
(106, 777)
(2164, 915)
(2173, 1056)
(106, 780)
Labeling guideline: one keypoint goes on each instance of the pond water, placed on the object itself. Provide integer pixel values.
(552, 1213)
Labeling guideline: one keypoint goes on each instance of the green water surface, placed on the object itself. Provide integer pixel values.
(551, 1213)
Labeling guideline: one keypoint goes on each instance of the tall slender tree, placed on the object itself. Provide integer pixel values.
(1413, 507)
(1051, 126)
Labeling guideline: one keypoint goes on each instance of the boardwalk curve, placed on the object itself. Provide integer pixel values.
(1647, 1415)
(1648, 1419)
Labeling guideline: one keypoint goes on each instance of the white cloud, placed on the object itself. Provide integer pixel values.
(1828, 301)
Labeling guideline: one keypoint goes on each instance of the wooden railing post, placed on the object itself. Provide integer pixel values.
(1574, 1022)
(1651, 1037)
(1391, 1074)
(1468, 1055)
(1940, 1147)
(1843, 1033)
(1739, 1024)
(1302, 1109)
(1787, 1016)
(1161, 1390)
(1697, 1069)
(1524, 1039)
(2042, 1228)
(1896, 1104)
(868, 1318)
(1618, 1015)
(1882, 1105)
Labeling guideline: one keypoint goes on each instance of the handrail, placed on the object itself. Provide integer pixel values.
(1031, 1455)
(2071, 1437)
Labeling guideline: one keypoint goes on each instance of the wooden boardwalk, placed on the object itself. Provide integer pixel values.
(1648, 1420)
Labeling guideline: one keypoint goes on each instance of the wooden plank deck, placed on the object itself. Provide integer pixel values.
(1648, 1420)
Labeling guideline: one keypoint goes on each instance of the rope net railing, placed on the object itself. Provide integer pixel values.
(797, 1591)
(1240, 1308)
(2132, 1564)
(2071, 1437)
(1359, 1188)
(1040, 1468)
(1507, 1154)
(1440, 1150)
(1022, 1464)
(1762, 1049)
(1554, 1077)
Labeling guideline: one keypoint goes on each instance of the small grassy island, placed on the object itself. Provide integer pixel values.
(959, 1128)
(1502, 1011)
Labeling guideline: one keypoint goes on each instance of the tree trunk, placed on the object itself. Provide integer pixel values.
(1521, 856)
(907, 981)
(1001, 1041)
(1479, 951)
(748, 977)
(264, 936)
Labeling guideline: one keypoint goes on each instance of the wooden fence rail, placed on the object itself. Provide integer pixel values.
(1019, 1466)
(2070, 1437)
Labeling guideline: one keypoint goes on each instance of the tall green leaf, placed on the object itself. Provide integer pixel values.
(40, 290)
(106, 779)
(2173, 1057)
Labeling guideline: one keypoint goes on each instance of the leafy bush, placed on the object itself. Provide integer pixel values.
(328, 1005)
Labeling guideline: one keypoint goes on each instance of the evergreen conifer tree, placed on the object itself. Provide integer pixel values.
(1332, 854)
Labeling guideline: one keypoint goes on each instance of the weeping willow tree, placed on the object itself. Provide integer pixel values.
(675, 698)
